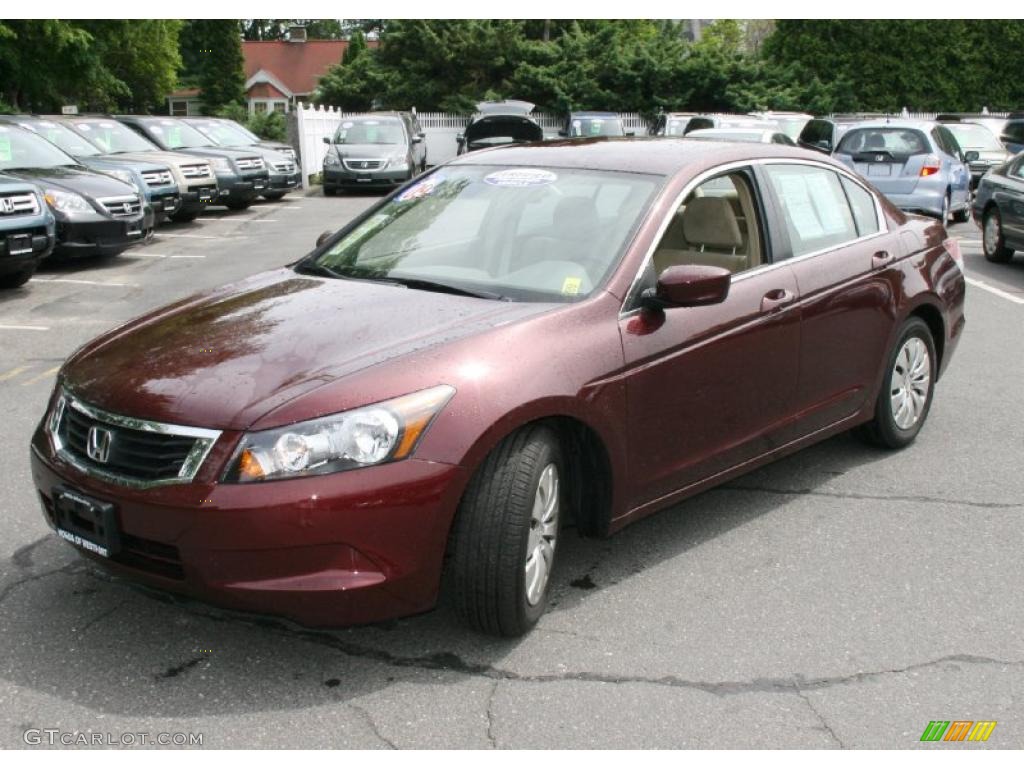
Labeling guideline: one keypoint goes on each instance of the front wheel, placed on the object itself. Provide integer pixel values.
(506, 533)
(274, 196)
(17, 279)
(992, 242)
(238, 205)
(906, 395)
(183, 217)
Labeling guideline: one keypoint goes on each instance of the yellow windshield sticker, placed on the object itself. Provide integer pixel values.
(571, 286)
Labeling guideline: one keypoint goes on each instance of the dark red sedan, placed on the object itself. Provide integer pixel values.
(591, 330)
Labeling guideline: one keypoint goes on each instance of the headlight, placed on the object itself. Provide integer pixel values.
(221, 164)
(376, 434)
(67, 202)
(126, 177)
(288, 152)
(331, 159)
(398, 162)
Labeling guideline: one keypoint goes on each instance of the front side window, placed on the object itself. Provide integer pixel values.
(524, 234)
(814, 207)
(865, 214)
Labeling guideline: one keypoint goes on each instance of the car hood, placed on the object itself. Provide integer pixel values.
(157, 156)
(226, 358)
(231, 154)
(76, 179)
(115, 163)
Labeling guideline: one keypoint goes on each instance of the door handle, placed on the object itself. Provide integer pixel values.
(775, 300)
(880, 258)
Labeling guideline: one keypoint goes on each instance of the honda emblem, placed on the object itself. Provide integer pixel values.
(97, 445)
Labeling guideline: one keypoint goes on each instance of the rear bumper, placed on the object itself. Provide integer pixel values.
(920, 201)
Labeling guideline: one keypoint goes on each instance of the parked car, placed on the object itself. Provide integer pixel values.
(671, 123)
(790, 123)
(583, 124)
(497, 123)
(994, 124)
(972, 137)
(284, 175)
(154, 181)
(752, 297)
(241, 173)
(197, 184)
(97, 215)
(918, 165)
(378, 149)
(999, 210)
(27, 229)
(277, 146)
(702, 122)
(1013, 133)
(756, 135)
(822, 134)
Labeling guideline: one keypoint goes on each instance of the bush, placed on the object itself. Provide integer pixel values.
(266, 125)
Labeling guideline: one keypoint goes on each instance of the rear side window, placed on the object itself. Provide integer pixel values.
(865, 215)
(817, 131)
(814, 207)
(1014, 131)
(696, 123)
(898, 142)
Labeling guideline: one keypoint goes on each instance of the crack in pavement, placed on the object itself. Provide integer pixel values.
(368, 719)
(490, 715)
(867, 496)
(821, 719)
(96, 619)
(72, 568)
(179, 669)
(22, 557)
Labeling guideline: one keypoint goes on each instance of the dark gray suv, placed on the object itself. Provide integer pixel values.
(378, 149)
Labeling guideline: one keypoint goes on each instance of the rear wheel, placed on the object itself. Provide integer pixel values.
(17, 279)
(906, 395)
(992, 241)
(184, 217)
(330, 191)
(505, 536)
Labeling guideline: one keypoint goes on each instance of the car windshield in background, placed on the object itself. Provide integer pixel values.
(727, 135)
(676, 126)
(21, 149)
(791, 126)
(976, 137)
(65, 139)
(176, 135)
(596, 126)
(112, 137)
(224, 134)
(895, 141)
(370, 132)
(525, 234)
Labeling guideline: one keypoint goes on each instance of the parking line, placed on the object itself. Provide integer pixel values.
(82, 282)
(24, 328)
(14, 372)
(171, 255)
(41, 376)
(261, 221)
(196, 237)
(995, 291)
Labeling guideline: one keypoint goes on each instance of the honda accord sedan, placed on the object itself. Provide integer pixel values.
(527, 336)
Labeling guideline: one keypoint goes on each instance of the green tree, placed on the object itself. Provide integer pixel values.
(211, 51)
(141, 55)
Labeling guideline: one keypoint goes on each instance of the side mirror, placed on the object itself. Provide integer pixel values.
(460, 138)
(418, 139)
(691, 285)
(972, 156)
(324, 237)
(327, 139)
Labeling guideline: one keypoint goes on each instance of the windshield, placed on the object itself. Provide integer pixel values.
(711, 133)
(62, 136)
(976, 137)
(596, 126)
(223, 134)
(112, 137)
(791, 126)
(370, 132)
(173, 134)
(895, 141)
(525, 234)
(22, 149)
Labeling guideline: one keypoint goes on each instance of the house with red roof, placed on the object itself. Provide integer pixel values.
(278, 73)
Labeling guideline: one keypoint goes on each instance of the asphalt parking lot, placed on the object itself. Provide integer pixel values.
(843, 597)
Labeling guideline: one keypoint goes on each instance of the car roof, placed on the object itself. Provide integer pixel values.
(661, 155)
(920, 125)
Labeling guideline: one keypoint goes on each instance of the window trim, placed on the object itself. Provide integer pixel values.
(626, 310)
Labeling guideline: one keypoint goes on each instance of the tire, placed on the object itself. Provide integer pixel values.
(184, 217)
(895, 426)
(992, 241)
(330, 191)
(497, 535)
(17, 279)
(238, 205)
(274, 196)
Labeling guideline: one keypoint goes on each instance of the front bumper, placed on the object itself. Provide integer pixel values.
(350, 548)
(97, 235)
(21, 247)
(164, 200)
(197, 197)
(342, 177)
(242, 187)
(281, 182)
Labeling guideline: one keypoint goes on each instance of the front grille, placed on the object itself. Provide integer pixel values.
(196, 171)
(125, 207)
(157, 178)
(127, 450)
(364, 165)
(250, 164)
(284, 167)
(19, 204)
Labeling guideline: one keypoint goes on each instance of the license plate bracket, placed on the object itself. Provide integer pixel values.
(87, 523)
(18, 245)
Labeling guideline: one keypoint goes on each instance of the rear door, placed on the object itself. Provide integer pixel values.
(890, 157)
(959, 173)
(1009, 197)
(842, 254)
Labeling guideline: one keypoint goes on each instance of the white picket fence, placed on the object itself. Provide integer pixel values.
(314, 123)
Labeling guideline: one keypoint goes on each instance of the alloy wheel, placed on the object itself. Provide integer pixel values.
(990, 234)
(540, 546)
(909, 385)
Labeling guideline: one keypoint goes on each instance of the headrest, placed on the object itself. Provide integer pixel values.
(576, 216)
(710, 221)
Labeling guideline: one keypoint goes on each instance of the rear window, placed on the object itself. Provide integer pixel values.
(697, 123)
(895, 141)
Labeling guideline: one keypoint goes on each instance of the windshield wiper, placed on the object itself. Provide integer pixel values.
(317, 269)
(418, 283)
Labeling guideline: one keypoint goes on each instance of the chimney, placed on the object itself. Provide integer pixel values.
(297, 34)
